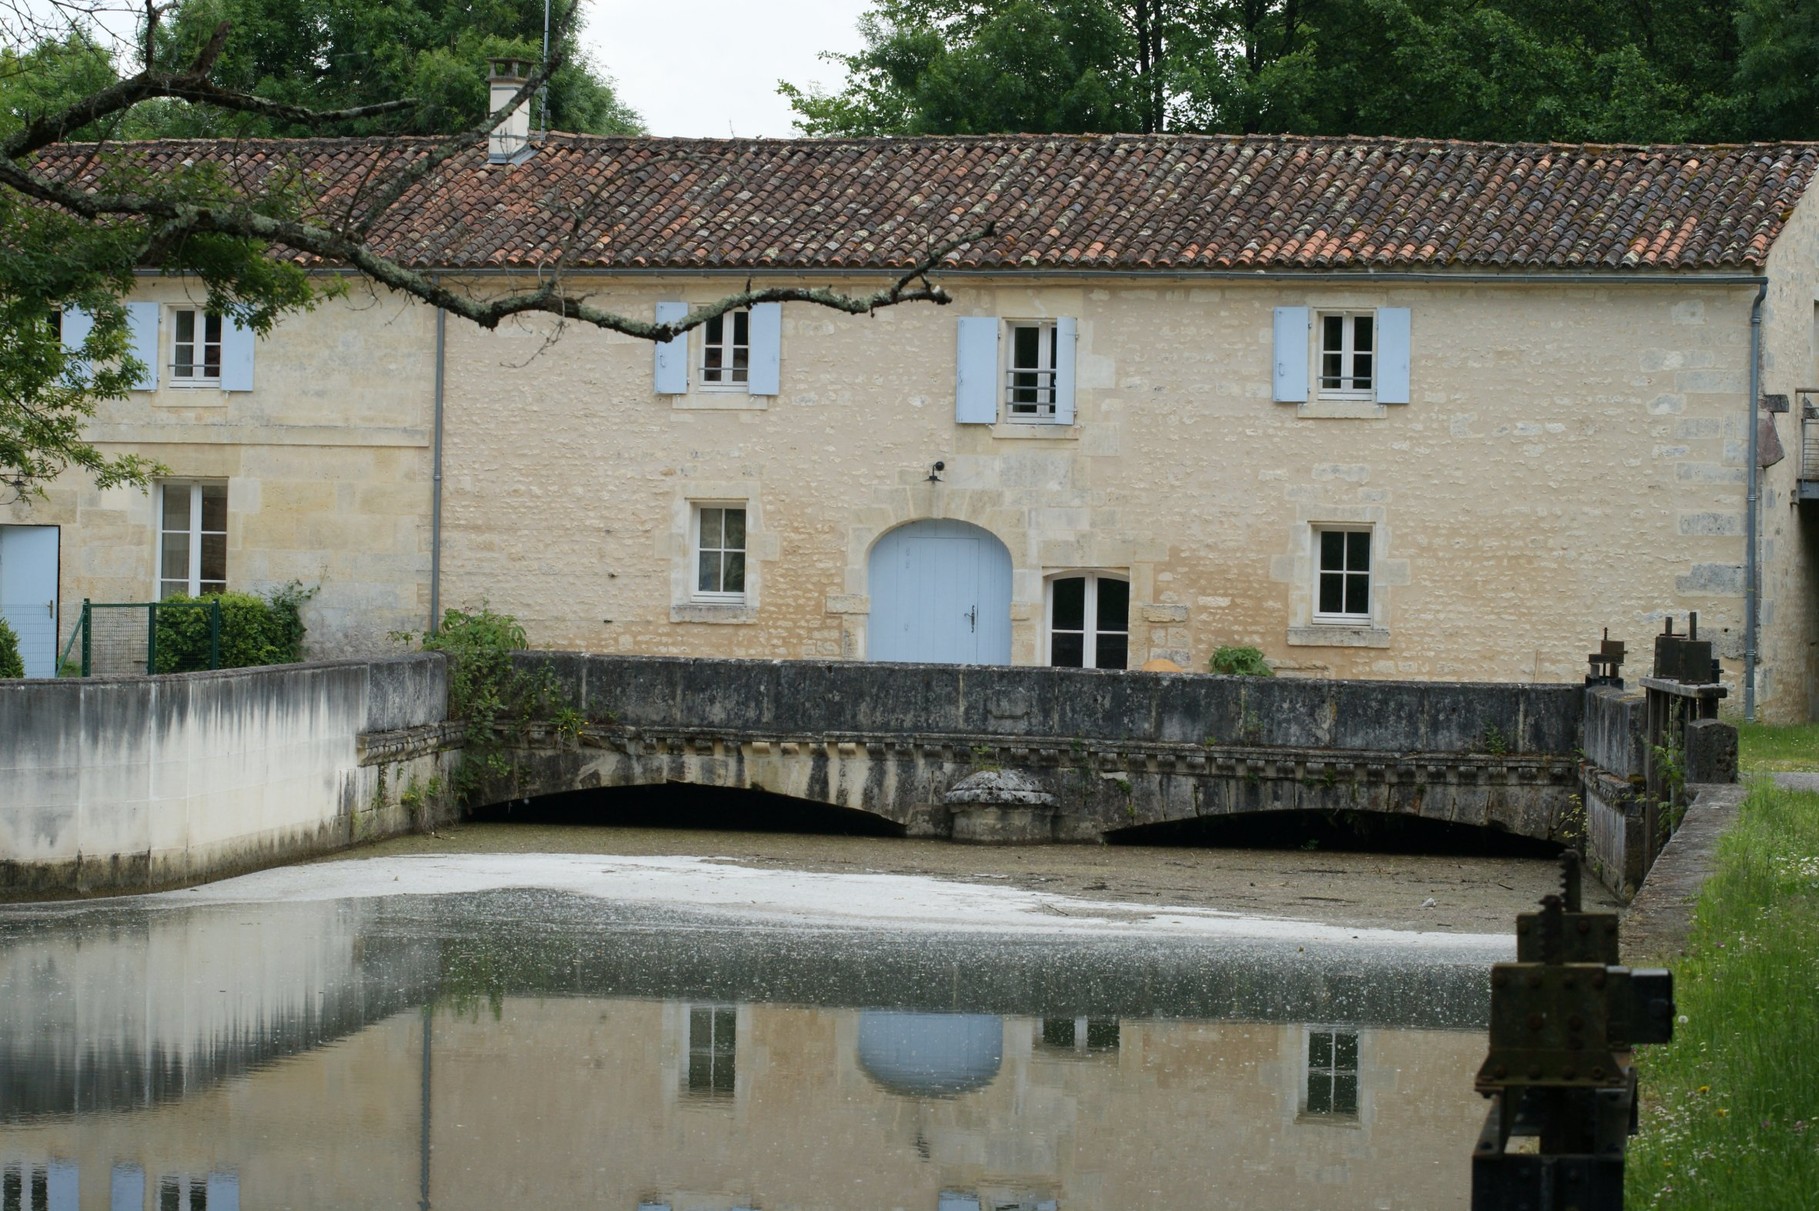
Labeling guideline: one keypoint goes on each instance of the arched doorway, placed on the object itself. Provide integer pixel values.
(941, 594)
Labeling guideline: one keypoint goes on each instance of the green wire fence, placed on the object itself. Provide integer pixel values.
(118, 637)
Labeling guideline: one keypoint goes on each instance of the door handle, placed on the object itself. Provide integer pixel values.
(972, 620)
(50, 608)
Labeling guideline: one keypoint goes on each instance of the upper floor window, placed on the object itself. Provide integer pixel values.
(1089, 622)
(1342, 590)
(1357, 357)
(192, 539)
(1030, 377)
(726, 351)
(1348, 352)
(195, 346)
(1016, 370)
(719, 553)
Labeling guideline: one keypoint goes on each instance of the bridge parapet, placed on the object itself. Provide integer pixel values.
(1115, 749)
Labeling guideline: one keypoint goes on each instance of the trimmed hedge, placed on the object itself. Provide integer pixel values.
(254, 630)
(12, 664)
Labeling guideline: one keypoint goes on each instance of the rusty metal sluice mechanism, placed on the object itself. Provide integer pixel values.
(1564, 1017)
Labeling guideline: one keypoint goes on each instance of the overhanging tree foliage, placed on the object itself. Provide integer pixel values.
(1508, 70)
(69, 243)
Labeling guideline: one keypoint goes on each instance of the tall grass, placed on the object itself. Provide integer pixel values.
(1731, 1107)
(1764, 747)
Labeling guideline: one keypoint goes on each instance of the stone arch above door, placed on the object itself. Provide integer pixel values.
(940, 593)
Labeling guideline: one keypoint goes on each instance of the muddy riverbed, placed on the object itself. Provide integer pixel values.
(1388, 891)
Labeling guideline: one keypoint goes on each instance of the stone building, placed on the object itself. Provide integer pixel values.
(1381, 408)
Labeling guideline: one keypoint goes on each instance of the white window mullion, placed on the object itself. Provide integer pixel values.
(195, 540)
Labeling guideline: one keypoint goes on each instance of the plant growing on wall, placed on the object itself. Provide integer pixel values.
(1240, 662)
(11, 663)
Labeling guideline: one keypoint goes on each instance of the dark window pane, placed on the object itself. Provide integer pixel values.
(1361, 334)
(214, 507)
(714, 331)
(1114, 605)
(735, 572)
(700, 1070)
(186, 327)
(214, 557)
(1329, 370)
(1070, 604)
(707, 572)
(742, 327)
(1067, 650)
(1102, 1034)
(1026, 347)
(1332, 332)
(1319, 1094)
(1320, 1049)
(211, 329)
(734, 523)
(1111, 651)
(10, 1190)
(1345, 1051)
(1332, 550)
(1361, 372)
(1058, 1032)
(198, 1196)
(1357, 594)
(1332, 594)
(1358, 551)
(726, 1024)
(170, 1198)
(1345, 1093)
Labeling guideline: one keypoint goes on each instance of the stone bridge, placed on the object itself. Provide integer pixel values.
(995, 753)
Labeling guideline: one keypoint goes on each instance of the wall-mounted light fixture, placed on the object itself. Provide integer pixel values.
(934, 476)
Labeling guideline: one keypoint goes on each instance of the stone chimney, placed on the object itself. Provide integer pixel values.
(511, 138)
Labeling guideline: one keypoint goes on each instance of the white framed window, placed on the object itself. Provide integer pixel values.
(1089, 621)
(719, 552)
(195, 347)
(1342, 576)
(713, 1032)
(1029, 376)
(1332, 1074)
(192, 538)
(1348, 354)
(726, 351)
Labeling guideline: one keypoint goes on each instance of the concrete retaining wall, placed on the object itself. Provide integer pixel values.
(1616, 818)
(130, 783)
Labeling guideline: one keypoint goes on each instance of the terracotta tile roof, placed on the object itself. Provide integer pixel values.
(1106, 202)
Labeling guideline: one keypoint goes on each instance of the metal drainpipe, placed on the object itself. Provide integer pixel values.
(435, 510)
(1752, 571)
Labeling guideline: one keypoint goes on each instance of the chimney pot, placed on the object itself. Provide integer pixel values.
(512, 136)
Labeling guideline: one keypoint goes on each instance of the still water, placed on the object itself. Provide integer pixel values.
(506, 1048)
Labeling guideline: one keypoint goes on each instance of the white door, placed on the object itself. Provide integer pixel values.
(28, 593)
(941, 594)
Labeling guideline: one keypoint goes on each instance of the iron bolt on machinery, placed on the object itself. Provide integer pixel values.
(1564, 1017)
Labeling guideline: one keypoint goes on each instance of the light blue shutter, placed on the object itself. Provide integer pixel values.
(1065, 339)
(672, 355)
(77, 324)
(1392, 355)
(142, 340)
(1291, 355)
(764, 375)
(236, 355)
(976, 370)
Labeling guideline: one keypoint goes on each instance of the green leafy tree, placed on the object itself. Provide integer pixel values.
(345, 53)
(245, 67)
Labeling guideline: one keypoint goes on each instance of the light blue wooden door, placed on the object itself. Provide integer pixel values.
(941, 594)
(28, 593)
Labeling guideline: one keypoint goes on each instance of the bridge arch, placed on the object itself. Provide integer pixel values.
(940, 593)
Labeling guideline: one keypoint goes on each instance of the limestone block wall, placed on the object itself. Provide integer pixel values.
(131, 783)
(326, 463)
(1572, 458)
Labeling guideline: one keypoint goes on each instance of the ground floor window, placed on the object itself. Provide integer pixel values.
(1089, 621)
(1342, 590)
(712, 1035)
(192, 539)
(719, 553)
(1332, 1073)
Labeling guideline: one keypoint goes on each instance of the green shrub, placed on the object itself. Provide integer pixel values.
(1240, 662)
(11, 663)
(254, 630)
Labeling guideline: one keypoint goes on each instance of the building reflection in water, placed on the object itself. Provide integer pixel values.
(414, 1090)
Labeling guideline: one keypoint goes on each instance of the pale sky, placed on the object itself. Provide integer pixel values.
(709, 68)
